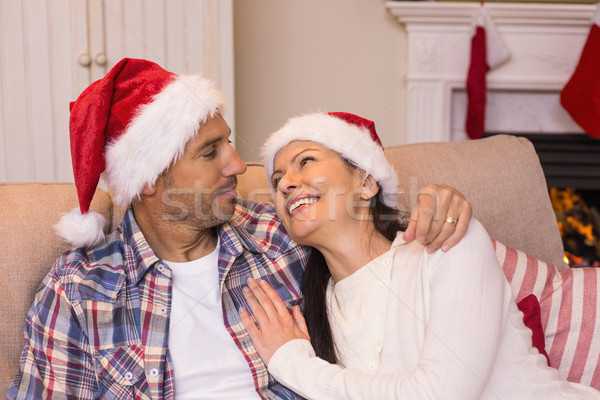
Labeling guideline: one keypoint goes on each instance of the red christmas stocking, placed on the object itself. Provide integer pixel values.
(488, 51)
(581, 95)
(476, 96)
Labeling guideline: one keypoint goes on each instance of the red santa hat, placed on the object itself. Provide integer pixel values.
(133, 124)
(353, 137)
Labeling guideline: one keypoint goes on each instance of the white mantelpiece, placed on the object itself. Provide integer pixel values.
(545, 41)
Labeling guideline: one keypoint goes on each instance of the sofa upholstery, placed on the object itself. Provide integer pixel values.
(501, 177)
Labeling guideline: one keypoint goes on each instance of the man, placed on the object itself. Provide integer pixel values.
(143, 312)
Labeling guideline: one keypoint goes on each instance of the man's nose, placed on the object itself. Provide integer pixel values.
(235, 164)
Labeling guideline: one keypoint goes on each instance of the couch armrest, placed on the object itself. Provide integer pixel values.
(28, 248)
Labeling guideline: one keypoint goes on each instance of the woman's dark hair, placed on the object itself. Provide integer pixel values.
(388, 222)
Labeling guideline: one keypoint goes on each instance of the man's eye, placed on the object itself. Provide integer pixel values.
(210, 154)
(275, 182)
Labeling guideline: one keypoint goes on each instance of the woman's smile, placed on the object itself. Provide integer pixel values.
(300, 202)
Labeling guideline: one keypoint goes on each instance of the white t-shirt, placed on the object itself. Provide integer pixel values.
(206, 360)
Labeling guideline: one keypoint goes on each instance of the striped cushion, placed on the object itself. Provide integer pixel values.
(532, 317)
(569, 303)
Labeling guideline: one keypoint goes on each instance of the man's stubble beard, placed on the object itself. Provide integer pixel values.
(195, 206)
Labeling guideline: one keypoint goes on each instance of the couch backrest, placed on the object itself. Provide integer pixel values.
(501, 177)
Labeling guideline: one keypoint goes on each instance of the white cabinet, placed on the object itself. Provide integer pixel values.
(51, 50)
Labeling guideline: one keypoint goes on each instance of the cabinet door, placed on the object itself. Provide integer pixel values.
(184, 36)
(38, 41)
(51, 50)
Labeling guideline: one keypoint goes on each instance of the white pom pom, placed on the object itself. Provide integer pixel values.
(81, 230)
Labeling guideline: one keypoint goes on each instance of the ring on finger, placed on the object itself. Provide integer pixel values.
(451, 220)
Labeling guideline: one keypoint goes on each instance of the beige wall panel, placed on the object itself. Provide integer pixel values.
(3, 134)
(39, 41)
(114, 17)
(175, 36)
(294, 57)
(133, 16)
(195, 24)
(37, 51)
(154, 29)
(13, 77)
(63, 77)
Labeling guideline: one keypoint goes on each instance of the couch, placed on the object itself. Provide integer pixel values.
(501, 176)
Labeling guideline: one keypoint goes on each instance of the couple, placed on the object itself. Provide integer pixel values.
(157, 308)
(151, 310)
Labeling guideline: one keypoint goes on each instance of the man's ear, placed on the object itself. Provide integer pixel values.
(149, 190)
(369, 188)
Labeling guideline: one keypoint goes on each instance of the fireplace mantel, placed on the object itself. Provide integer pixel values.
(551, 15)
(545, 41)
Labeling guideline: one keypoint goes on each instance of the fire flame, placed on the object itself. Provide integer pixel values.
(575, 220)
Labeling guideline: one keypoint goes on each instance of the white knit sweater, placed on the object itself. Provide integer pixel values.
(410, 325)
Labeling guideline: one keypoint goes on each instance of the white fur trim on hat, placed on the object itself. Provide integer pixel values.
(350, 141)
(158, 134)
(81, 230)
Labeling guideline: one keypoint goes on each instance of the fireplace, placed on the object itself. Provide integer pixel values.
(571, 165)
(545, 41)
(568, 160)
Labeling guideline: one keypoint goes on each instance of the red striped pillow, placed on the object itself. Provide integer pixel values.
(530, 307)
(569, 302)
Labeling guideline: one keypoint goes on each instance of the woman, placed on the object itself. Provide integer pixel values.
(385, 318)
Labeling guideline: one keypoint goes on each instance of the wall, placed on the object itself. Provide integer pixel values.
(294, 57)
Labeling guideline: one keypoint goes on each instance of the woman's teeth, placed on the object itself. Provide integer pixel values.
(303, 201)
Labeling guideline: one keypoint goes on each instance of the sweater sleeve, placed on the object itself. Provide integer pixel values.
(469, 305)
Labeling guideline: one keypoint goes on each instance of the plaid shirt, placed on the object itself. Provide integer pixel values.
(98, 327)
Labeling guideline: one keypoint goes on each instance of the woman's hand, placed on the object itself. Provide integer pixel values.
(440, 218)
(275, 325)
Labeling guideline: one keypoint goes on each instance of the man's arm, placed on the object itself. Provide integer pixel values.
(440, 218)
(55, 362)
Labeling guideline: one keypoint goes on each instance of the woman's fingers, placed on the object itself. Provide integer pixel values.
(440, 218)
(463, 218)
(265, 302)
(272, 328)
(257, 294)
(423, 216)
(251, 327)
(299, 321)
(259, 313)
(448, 221)
(274, 297)
(437, 200)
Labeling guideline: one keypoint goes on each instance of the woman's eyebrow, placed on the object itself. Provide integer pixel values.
(279, 171)
(304, 151)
